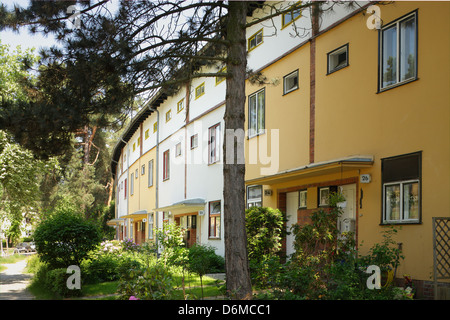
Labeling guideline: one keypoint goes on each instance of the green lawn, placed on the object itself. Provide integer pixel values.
(108, 290)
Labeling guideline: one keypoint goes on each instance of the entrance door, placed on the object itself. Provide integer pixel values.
(347, 221)
(291, 211)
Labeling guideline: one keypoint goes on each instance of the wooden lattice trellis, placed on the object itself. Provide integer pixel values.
(441, 250)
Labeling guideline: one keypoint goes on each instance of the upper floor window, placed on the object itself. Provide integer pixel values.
(180, 105)
(338, 59)
(214, 144)
(166, 165)
(200, 90)
(289, 17)
(255, 40)
(256, 110)
(147, 134)
(155, 127)
(168, 115)
(221, 79)
(398, 52)
(290, 82)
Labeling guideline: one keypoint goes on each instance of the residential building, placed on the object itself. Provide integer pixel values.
(346, 106)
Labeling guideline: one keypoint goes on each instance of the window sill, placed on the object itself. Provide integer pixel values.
(396, 223)
(337, 69)
(396, 85)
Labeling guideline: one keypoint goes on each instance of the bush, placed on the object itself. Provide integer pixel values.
(56, 282)
(65, 238)
(265, 231)
(153, 282)
(203, 259)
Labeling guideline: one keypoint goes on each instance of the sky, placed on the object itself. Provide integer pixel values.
(24, 38)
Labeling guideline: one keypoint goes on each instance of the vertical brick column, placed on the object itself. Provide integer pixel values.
(312, 99)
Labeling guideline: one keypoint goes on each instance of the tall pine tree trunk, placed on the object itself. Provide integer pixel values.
(236, 256)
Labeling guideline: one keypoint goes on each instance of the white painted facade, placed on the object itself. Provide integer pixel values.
(191, 176)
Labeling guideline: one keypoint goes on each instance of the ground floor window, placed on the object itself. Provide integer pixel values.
(214, 219)
(254, 196)
(402, 189)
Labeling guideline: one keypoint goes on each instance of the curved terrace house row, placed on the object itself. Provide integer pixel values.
(346, 106)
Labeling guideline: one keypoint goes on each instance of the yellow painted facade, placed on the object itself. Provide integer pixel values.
(355, 126)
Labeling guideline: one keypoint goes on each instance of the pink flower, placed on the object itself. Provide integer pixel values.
(134, 298)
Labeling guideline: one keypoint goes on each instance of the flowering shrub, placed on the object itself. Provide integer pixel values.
(129, 245)
(112, 246)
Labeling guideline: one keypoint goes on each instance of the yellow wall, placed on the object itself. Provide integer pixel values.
(287, 113)
(144, 197)
(351, 118)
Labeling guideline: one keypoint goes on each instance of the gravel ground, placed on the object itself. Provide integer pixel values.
(14, 282)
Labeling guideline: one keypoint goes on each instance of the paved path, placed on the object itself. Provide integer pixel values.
(14, 282)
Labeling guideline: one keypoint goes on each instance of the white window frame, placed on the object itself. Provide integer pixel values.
(150, 173)
(305, 194)
(254, 202)
(150, 226)
(293, 74)
(396, 24)
(251, 132)
(214, 144)
(402, 218)
(331, 66)
(178, 149)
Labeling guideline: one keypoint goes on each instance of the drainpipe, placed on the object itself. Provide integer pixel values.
(157, 174)
(128, 180)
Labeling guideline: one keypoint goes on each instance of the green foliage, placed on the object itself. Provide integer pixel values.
(171, 237)
(265, 231)
(326, 264)
(203, 259)
(65, 238)
(152, 282)
(387, 254)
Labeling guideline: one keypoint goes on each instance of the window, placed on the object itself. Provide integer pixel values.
(134, 146)
(155, 127)
(398, 52)
(166, 164)
(324, 195)
(150, 173)
(168, 115)
(289, 17)
(125, 189)
(254, 196)
(178, 149)
(255, 40)
(194, 141)
(214, 219)
(150, 226)
(200, 90)
(143, 169)
(402, 189)
(290, 82)
(132, 184)
(138, 142)
(337, 59)
(147, 134)
(221, 79)
(256, 109)
(180, 105)
(302, 199)
(214, 144)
